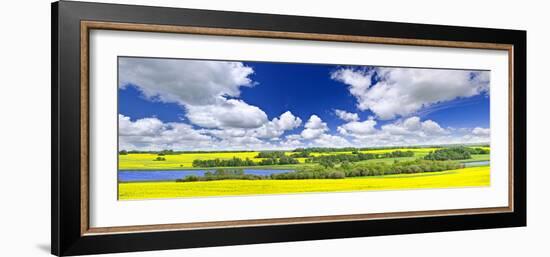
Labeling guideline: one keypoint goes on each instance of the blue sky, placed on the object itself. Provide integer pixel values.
(201, 105)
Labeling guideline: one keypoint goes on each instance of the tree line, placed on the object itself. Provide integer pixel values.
(238, 162)
(330, 160)
(345, 170)
(270, 154)
(280, 158)
(454, 153)
(222, 174)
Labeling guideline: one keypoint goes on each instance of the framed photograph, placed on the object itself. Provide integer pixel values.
(179, 128)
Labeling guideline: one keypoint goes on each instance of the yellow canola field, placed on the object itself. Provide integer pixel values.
(468, 177)
(146, 160)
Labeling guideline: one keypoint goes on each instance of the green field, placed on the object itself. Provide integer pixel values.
(467, 177)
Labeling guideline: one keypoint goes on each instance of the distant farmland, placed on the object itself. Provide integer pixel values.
(191, 174)
(146, 161)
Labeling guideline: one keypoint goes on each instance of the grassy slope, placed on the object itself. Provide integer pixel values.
(476, 176)
(478, 157)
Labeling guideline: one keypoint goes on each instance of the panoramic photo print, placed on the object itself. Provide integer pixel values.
(208, 128)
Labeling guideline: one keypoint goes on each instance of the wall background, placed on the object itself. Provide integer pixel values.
(25, 127)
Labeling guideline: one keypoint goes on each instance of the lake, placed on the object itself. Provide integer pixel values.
(476, 163)
(164, 175)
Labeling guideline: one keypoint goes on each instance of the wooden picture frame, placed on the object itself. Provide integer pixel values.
(71, 25)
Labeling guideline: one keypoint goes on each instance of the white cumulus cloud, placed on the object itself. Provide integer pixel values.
(477, 134)
(215, 118)
(326, 140)
(346, 116)
(204, 88)
(141, 127)
(411, 131)
(153, 134)
(287, 121)
(477, 131)
(193, 82)
(358, 128)
(277, 127)
(414, 126)
(231, 113)
(404, 91)
(314, 127)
